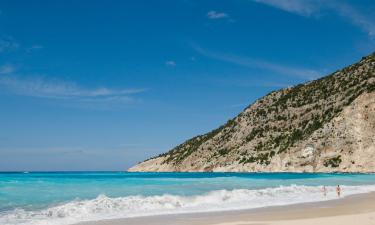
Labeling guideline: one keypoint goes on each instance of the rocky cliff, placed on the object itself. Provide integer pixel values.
(326, 125)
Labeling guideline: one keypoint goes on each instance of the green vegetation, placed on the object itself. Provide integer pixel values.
(223, 151)
(283, 118)
(254, 133)
(179, 153)
(262, 158)
(333, 162)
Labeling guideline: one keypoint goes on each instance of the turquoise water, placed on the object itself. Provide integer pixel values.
(66, 198)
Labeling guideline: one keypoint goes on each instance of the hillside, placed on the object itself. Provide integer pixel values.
(326, 125)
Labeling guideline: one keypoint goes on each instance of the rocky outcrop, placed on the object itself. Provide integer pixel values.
(326, 125)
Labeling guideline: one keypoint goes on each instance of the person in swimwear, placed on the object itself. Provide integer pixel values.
(338, 191)
(324, 189)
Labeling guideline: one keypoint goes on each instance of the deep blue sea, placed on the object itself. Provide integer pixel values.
(59, 198)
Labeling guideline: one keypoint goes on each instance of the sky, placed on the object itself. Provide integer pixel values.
(102, 85)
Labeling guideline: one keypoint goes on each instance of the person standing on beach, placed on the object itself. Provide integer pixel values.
(324, 191)
(338, 190)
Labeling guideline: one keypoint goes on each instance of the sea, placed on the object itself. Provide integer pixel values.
(62, 198)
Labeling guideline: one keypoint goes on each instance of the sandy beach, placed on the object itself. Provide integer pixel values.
(356, 209)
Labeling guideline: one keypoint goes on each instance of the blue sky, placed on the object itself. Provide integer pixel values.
(101, 85)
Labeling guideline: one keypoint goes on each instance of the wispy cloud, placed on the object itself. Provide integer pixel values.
(57, 89)
(216, 15)
(170, 63)
(34, 48)
(7, 69)
(43, 151)
(260, 64)
(360, 19)
(309, 8)
(8, 43)
(304, 8)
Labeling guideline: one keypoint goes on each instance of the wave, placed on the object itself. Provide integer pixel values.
(104, 207)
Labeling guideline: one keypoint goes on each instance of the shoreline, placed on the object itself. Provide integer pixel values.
(359, 207)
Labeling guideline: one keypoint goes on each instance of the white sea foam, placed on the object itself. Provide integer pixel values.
(104, 207)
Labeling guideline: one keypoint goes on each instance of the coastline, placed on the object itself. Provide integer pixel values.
(353, 209)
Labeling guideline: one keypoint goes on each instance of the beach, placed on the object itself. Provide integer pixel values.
(356, 209)
(116, 198)
(187, 112)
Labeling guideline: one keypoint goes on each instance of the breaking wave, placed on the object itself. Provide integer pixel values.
(104, 207)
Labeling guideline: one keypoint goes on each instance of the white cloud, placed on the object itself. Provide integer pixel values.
(216, 15)
(7, 69)
(170, 63)
(307, 8)
(260, 64)
(56, 89)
